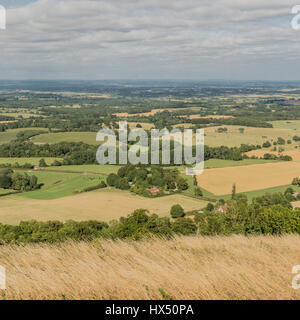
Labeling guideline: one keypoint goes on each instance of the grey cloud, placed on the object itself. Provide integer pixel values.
(144, 38)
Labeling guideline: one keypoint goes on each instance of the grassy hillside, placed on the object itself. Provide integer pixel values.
(11, 134)
(87, 137)
(22, 161)
(61, 185)
(234, 267)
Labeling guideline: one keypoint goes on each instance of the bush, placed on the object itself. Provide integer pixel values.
(296, 182)
(266, 144)
(113, 180)
(182, 184)
(198, 192)
(42, 163)
(5, 182)
(56, 163)
(184, 226)
(177, 211)
(101, 185)
(210, 207)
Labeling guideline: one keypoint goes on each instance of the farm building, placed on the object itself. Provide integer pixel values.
(223, 208)
(154, 190)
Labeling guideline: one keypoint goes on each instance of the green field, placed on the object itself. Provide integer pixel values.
(59, 185)
(219, 163)
(22, 161)
(286, 124)
(86, 137)
(11, 134)
(93, 168)
(259, 193)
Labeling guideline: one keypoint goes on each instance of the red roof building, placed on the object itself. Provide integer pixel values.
(223, 208)
(154, 190)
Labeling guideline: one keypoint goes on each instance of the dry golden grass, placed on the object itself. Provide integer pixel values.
(235, 267)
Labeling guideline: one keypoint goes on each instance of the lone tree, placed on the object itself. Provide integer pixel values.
(195, 180)
(177, 211)
(42, 163)
(233, 193)
(113, 180)
(210, 207)
(198, 192)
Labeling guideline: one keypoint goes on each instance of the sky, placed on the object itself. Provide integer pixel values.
(150, 39)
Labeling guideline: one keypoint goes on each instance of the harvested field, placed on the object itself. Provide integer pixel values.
(102, 205)
(199, 268)
(219, 181)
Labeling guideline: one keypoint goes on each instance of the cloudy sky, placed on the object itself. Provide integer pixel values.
(150, 39)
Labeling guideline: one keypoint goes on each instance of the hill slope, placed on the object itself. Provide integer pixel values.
(235, 267)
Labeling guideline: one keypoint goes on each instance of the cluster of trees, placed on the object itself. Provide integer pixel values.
(10, 179)
(270, 156)
(27, 134)
(75, 153)
(269, 214)
(222, 130)
(296, 182)
(136, 226)
(141, 178)
(296, 138)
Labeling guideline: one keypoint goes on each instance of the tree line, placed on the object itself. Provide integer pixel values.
(269, 214)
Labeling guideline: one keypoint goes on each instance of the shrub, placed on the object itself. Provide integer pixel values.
(177, 211)
(42, 163)
(198, 192)
(113, 180)
(184, 226)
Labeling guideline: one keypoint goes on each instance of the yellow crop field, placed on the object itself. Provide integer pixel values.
(248, 178)
(102, 205)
